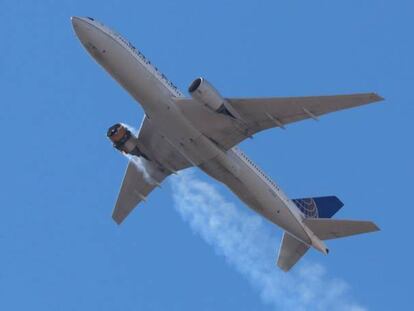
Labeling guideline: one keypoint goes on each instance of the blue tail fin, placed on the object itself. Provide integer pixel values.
(320, 207)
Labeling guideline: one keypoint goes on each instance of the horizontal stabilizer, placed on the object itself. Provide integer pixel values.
(291, 250)
(319, 207)
(326, 229)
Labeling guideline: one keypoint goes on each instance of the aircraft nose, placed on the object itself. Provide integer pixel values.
(80, 25)
(91, 34)
(84, 29)
(75, 20)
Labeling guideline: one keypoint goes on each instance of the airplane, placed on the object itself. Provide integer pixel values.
(178, 132)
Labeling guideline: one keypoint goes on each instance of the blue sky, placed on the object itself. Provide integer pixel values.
(60, 175)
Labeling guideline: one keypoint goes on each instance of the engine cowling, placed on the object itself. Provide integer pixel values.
(202, 91)
(124, 140)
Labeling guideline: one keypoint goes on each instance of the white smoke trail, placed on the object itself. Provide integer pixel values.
(141, 166)
(140, 163)
(250, 245)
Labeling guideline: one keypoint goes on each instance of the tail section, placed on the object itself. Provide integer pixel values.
(326, 229)
(291, 250)
(319, 207)
(319, 227)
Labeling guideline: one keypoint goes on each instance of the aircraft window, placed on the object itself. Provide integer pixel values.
(90, 18)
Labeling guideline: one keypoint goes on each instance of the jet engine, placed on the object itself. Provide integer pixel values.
(124, 140)
(202, 91)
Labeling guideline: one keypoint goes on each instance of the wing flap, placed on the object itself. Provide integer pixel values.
(291, 250)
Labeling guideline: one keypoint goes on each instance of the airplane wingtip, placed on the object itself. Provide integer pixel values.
(118, 220)
(376, 97)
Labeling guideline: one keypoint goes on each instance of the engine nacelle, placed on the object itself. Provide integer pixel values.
(203, 92)
(124, 140)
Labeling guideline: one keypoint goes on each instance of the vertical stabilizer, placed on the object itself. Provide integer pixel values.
(319, 207)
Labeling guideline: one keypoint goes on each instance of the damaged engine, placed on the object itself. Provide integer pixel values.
(124, 140)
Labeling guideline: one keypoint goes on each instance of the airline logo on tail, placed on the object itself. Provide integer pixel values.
(319, 207)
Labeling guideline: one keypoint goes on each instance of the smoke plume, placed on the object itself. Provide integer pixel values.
(141, 166)
(250, 245)
(140, 163)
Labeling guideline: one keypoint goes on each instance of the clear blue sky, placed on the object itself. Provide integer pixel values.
(60, 249)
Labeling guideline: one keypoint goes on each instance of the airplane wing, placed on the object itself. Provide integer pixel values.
(291, 250)
(142, 175)
(258, 114)
(135, 188)
(159, 150)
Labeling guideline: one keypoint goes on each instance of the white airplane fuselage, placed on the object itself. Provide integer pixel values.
(155, 94)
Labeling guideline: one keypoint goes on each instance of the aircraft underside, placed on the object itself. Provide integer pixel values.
(203, 131)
